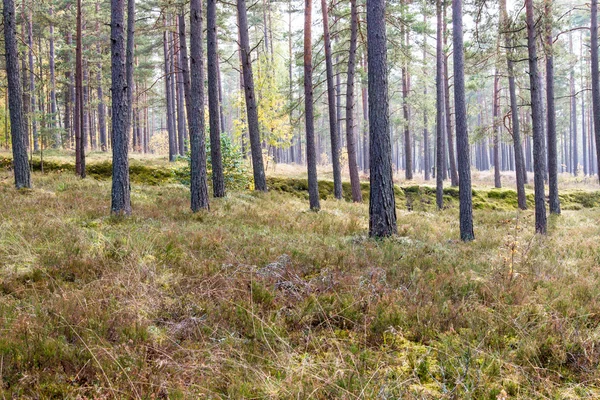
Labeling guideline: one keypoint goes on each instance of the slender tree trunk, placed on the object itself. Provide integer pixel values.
(449, 144)
(408, 159)
(15, 98)
(551, 115)
(78, 117)
(350, 139)
(260, 182)
(218, 179)
(36, 142)
(311, 157)
(53, 108)
(462, 135)
(595, 79)
(520, 171)
(168, 93)
(193, 81)
(181, 128)
(121, 108)
(426, 156)
(536, 112)
(573, 115)
(365, 104)
(333, 125)
(585, 162)
(382, 206)
(440, 163)
(496, 129)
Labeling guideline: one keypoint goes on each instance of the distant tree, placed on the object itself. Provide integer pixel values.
(18, 129)
(382, 207)
(311, 156)
(536, 115)
(121, 202)
(462, 135)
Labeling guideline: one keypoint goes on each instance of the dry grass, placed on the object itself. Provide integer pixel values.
(261, 298)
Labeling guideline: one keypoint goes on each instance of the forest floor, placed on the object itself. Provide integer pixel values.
(261, 298)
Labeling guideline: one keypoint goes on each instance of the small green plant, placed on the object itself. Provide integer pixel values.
(234, 167)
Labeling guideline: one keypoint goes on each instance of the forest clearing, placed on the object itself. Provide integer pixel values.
(285, 199)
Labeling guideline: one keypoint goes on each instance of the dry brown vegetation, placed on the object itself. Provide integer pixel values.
(260, 298)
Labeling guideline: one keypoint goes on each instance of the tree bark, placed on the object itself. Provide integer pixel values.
(311, 157)
(536, 114)
(193, 82)
(462, 135)
(260, 182)
(382, 206)
(121, 109)
(350, 139)
(449, 143)
(168, 93)
(18, 130)
(78, 117)
(520, 171)
(426, 157)
(595, 79)
(218, 179)
(551, 115)
(333, 125)
(440, 164)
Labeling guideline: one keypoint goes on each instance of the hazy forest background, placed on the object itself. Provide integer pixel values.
(286, 199)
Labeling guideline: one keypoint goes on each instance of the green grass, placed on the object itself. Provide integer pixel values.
(261, 298)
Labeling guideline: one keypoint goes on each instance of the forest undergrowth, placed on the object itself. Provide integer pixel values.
(261, 298)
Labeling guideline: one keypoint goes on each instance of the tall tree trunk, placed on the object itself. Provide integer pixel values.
(350, 139)
(311, 157)
(440, 163)
(193, 82)
(408, 160)
(365, 104)
(449, 144)
(538, 133)
(551, 115)
(382, 206)
(18, 130)
(573, 114)
(260, 182)
(218, 179)
(426, 157)
(520, 171)
(168, 93)
(53, 108)
(462, 135)
(121, 108)
(36, 141)
(583, 128)
(496, 129)
(333, 125)
(220, 85)
(181, 128)
(78, 117)
(100, 94)
(595, 79)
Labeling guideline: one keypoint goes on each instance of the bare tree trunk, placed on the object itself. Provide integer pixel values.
(121, 109)
(573, 114)
(408, 160)
(449, 144)
(496, 129)
(53, 108)
(440, 163)
(365, 104)
(350, 140)
(595, 79)
(311, 158)
(193, 82)
(260, 182)
(15, 98)
(382, 206)
(168, 92)
(78, 117)
(536, 113)
(426, 155)
(462, 135)
(181, 128)
(218, 179)
(551, 115)
(36, 142)
(333, 125)
(520, 171)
